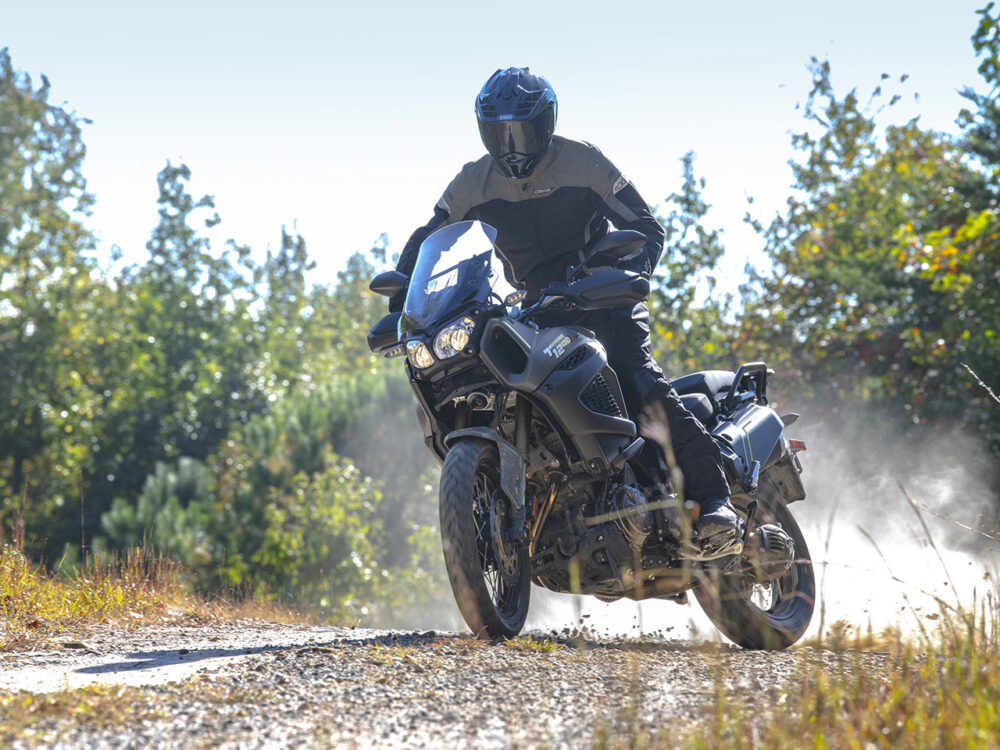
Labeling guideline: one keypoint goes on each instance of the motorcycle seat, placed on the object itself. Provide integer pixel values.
(699, 405)
(706, 382)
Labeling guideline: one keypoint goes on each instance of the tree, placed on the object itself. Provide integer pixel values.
(47, 288)
(873, 295)
(982, 126)
(181, 359)
(690, 327)
(278, 511)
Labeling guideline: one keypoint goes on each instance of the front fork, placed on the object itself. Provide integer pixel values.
(522, 434)
(522, 425)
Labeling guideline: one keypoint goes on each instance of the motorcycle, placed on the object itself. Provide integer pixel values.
(540, 481)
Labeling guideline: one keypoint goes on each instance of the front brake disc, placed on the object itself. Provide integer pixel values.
(504, 549)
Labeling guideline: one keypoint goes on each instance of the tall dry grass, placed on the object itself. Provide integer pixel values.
(35, 604)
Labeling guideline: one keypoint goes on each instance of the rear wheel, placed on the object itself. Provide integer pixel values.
(763, 614)
(489, 573)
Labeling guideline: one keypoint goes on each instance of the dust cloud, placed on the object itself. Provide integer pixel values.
(926, 495)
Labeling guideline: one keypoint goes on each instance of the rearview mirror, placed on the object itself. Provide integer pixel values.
(389, 283)
(611, 247)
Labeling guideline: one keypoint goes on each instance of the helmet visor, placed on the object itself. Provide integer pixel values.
(518, 138)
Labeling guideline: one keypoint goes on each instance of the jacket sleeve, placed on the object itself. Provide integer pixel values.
(622, 205)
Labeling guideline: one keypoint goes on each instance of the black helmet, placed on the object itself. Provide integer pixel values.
(517, 117)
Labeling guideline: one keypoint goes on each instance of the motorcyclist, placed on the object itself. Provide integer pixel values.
(550, 198)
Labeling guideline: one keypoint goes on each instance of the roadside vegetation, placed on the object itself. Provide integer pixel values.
(136, 589)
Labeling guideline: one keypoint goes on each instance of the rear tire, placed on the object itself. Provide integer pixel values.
(494, 603)
(755, 616)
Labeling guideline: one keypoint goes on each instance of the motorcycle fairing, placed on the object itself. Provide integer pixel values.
(559, 369)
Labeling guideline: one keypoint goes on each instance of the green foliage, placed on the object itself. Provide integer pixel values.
(982, 125)
(883, 275)
(322, 542)
(690, 329)
(172, 514)
(46, 289)
(278, 512)
(176, 361)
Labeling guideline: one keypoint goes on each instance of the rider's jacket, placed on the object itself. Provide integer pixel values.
(546, 221)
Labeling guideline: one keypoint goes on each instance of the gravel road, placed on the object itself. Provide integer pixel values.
(253, 684)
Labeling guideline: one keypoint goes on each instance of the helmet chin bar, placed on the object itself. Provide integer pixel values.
(517, 165)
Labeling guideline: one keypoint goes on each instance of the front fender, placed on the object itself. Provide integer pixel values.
(512, 465)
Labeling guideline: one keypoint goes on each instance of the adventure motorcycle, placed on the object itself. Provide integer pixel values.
(540, 481)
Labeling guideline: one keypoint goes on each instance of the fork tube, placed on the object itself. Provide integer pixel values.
(522, 424)
(462, 413)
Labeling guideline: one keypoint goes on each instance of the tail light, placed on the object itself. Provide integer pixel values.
(796, 445)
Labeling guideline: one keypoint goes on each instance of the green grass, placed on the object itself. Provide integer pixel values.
(528, 643)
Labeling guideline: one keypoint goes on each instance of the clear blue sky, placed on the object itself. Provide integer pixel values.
(349, 120)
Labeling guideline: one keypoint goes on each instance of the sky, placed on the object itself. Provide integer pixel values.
(344, 121)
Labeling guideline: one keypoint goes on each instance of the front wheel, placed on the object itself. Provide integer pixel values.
(758, 614)
(489, 573)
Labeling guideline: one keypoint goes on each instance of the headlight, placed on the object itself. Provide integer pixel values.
(418, 354)
(453, 339)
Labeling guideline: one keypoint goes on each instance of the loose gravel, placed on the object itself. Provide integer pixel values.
(258, 685)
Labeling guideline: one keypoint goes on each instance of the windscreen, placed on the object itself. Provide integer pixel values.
(456, 265)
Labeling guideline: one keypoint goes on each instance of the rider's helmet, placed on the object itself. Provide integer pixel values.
(516, 111)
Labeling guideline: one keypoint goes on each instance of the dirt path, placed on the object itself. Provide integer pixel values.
(150, 655)
(264, 685)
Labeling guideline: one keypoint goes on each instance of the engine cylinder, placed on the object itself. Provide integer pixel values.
(628, 510)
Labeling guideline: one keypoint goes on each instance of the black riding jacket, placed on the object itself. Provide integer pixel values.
(546, 221)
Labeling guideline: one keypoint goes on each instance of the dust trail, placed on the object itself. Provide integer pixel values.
(937, 549)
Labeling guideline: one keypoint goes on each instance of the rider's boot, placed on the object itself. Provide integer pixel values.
(718, 528)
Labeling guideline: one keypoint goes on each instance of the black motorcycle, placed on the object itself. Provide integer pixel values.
(540, 481)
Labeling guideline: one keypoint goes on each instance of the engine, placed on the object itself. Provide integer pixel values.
(602, 540)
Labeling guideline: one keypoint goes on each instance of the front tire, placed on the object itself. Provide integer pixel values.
(757, 616)
(491, 587)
